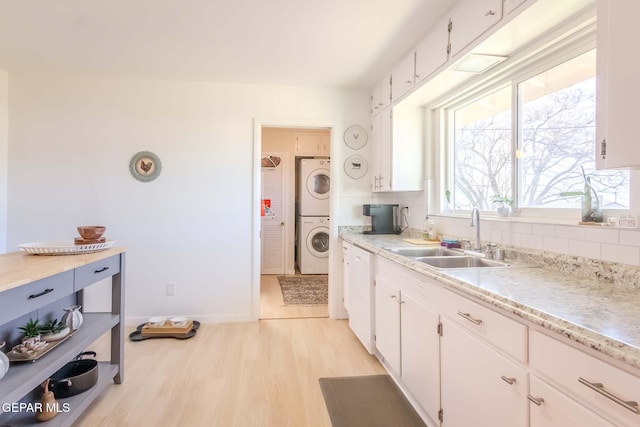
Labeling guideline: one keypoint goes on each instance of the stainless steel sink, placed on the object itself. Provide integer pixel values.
(460, 262)
(425, 252)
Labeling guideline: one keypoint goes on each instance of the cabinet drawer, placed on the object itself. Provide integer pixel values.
(603, 388)
(551, 408)
(500, 331)
(91, 273)
(24, 299)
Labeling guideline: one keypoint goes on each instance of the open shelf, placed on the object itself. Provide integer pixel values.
(23, 377)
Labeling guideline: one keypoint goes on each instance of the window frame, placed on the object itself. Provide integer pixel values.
(542, 59)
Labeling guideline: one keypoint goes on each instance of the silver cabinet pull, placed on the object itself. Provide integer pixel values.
(490, 13)
(599, 387)
(538, 401)
(409, 82)
(508, 380)
(392, 296)
(469, 318)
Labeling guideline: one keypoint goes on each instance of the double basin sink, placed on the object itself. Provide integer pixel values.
(443, 258)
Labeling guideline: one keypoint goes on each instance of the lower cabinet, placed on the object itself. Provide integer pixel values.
(420, 352)
(358, 293)
(479, 386)
(388, 323)
(551, 408)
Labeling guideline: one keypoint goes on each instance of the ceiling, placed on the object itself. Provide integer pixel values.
(327, 43)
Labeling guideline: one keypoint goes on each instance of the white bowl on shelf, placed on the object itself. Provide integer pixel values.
(179, 321)
(157, 321)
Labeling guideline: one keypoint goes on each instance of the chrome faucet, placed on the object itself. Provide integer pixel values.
(475, 222)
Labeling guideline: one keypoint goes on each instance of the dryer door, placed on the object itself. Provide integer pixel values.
(319, 184)
(318, 242)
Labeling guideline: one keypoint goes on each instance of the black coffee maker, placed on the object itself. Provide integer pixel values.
(384, 218)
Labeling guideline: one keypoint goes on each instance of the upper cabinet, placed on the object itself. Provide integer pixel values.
(617, 85)
(402, 76)
(312, 144)
(381, 95)
(471, 19)
(511, 5)
(432, 52)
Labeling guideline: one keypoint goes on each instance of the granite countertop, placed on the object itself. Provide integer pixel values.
(597, 314)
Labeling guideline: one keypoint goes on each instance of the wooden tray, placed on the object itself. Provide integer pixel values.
(137, 334)
(166, 329)
(32, 357)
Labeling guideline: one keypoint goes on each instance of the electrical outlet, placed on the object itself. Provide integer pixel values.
(171, 289)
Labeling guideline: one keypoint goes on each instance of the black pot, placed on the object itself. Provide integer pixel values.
(75, 377)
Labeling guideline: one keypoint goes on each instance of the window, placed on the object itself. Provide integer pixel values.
(544, 154)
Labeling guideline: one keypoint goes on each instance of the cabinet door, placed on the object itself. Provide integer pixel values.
(618, 87)
(361, 297)
(385, 91)
(470, 19)
(511, 5)
(384, 182)
(346, 274)
(402, 76)
(376, 122)
(406, 148)
(388, 323)
(420, 344)
(432, 51)
(551, 408)
(475, 383)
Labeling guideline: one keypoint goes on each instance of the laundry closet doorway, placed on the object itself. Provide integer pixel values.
(291, 145)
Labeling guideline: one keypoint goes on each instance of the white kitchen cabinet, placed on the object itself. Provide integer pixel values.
(548, 407)
(358, 294)
(381, 151)
(432, 52)
(610, 392)
(381, 95)
(469, 20)
(479, 386)
(617, 85)
(420, 351)
(397, 150)
(312, 144)
(402, 77)
(511, 5)
(387, 323)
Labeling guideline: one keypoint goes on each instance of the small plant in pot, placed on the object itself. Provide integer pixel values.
(54, 330)
(31, 331)
(503, 204)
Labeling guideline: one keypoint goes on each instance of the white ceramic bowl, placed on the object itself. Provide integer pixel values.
(178, 321)
(157, 321)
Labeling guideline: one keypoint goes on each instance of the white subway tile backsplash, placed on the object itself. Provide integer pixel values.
(621, 254)
(602, 235)
(532, 241)
(570, 232)
(501, 225)
(543, 230)
(512, 239)
(520, 227)
(584, 249)
(630, 237)
(554, 244)
(495, 236)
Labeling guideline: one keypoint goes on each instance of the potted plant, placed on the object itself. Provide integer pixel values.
(591, 211)
(31, 331)
(54, 330)
(503, 204)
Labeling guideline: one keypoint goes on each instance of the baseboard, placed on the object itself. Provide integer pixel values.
(210, 318)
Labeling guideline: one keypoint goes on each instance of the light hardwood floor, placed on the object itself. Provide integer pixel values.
(272, 305)
(233, 374)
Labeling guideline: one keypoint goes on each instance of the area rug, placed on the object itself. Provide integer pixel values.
(372, 401)
(304, 290)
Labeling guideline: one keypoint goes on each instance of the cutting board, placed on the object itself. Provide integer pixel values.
(422, 242)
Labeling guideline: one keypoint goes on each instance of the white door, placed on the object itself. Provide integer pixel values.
(274, 196)
(388, 323)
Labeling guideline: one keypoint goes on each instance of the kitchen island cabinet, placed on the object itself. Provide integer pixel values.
(34, 286)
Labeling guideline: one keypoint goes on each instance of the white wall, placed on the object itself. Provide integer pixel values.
(70, 142)
(4, 147)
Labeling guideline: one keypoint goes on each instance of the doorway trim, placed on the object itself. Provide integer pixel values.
(258, 124)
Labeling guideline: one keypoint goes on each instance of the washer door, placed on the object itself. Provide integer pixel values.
(318, 242)
(319, 184)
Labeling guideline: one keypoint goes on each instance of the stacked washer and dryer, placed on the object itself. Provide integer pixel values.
(314, 189)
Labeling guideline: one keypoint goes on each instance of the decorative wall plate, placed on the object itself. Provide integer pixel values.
(356, 166)
(355, 137)
(145, 166)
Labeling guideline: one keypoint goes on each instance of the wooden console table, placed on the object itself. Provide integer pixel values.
(37, 286)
